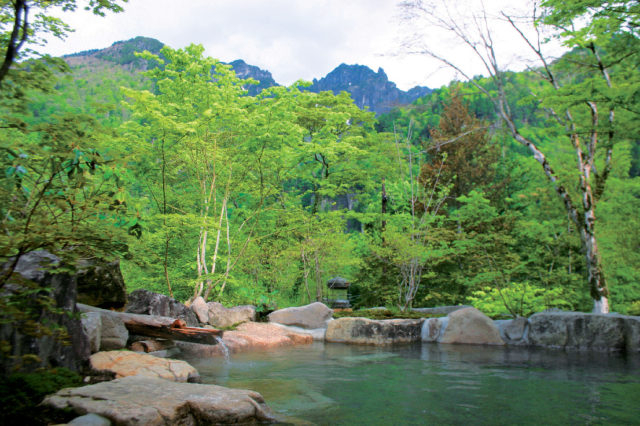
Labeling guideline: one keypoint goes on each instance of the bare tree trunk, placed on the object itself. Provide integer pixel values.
(18, 36)
(599, 290)
(214, 258)
(584, 219)
(164, 218)
(305, 272)
(228, 268)
(384, 201)
(166, 260)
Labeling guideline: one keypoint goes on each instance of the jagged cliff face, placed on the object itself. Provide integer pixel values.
(369, 89)
(244, 71)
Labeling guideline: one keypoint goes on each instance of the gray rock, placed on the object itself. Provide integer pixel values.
(149, 401)
(585, 331)
(632, 333)
(200, 308)
(149, 303)
(433, 329)
(92, 326)
(440, 310)
(373, 332)
(470, 326)
(314, 315)
(113, 333)
(166, 353)
(36, 270)
(100, 284)
(90, 420)
(514, 331)
(219, 316)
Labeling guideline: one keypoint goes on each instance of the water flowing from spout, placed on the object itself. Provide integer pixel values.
(225, 349)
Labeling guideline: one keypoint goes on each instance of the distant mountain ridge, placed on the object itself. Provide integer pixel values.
(368, 89)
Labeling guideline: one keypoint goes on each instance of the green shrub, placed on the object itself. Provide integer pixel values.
(21, 393)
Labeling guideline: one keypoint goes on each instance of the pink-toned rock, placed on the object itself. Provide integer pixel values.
(471, 326)
(249, 336)
(126, 363)
(200, 308)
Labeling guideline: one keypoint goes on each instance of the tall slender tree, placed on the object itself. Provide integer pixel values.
(584, 107)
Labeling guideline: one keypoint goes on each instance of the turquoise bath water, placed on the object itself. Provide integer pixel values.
(436, 384)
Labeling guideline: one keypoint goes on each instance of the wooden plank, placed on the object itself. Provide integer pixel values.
(187, 334)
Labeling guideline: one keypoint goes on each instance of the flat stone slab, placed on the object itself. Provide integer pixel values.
(137, 400)
(365, 331)
(127, 363)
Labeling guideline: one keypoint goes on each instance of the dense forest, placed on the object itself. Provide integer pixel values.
(491, 191)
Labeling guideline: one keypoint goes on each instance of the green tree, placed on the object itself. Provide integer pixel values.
(199, 117)
(583, 105)
(21, 27)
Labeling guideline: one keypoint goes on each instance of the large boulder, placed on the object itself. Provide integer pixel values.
(471, 326)
(100, 284)
(433, 329)
(201, 309)
(113, 333)
(138, 400)
(149, 303)
(580, 331)
(314, 315)
(514, 331)
(248, 336)
(92, 327)
(34, 276)
(126, 363)
(222, 317)
(373, 332)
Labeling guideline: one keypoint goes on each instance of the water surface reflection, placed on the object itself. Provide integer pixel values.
(437, 384)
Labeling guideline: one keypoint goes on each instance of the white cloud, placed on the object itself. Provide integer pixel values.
(291, 38)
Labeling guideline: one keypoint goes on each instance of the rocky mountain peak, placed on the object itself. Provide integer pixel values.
(244, 71)
(369, 89)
